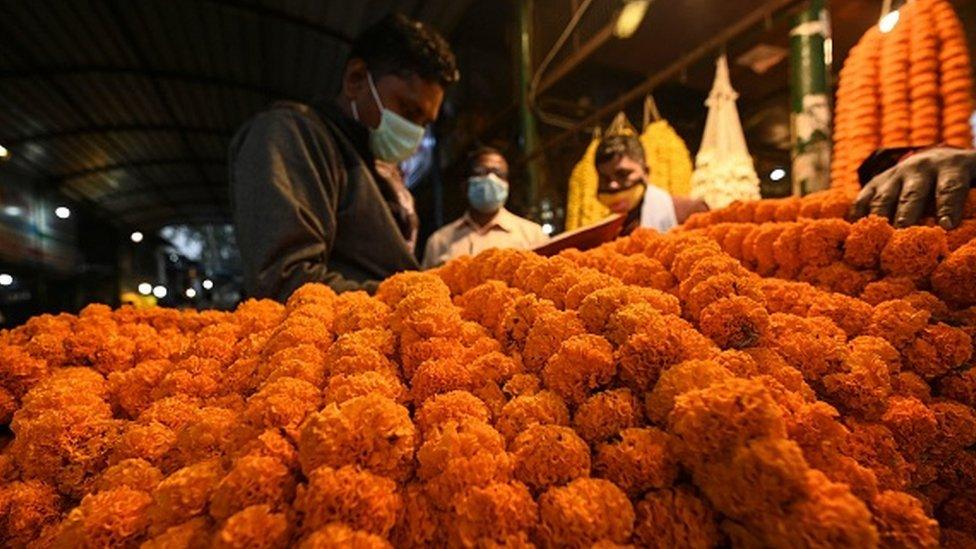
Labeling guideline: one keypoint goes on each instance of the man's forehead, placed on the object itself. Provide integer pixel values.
(491, 159)
(425, 93)
(618, 162)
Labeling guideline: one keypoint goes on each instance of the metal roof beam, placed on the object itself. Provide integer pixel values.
(115, 13)
(27, 53)
(123, 128)
(61, 71)
(148, 163)
(760, 13)
(265, 12)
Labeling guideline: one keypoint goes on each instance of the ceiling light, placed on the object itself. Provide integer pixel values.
(4, 153)
(207, 284)
(889, 21)
(630, 17)
(136, 236)
(777, 174)
(191, 293)
(159, 292)
(6, 280)
(62, 212)
(12, 211)
(145, 288)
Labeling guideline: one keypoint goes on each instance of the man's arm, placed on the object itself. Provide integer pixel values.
(285, 188)
(536, 236)
(433, 251)
(684, 207)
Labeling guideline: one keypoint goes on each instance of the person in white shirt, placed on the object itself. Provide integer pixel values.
(486, 223)
(624, 187)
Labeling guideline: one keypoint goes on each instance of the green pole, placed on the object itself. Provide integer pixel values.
(810, 99)
(528, 131)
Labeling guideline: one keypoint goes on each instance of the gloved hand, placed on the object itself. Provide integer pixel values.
(902, 193)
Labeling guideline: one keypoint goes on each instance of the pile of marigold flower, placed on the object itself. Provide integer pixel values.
(659, 391)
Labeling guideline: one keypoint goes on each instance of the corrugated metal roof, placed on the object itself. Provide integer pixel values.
(130, 105)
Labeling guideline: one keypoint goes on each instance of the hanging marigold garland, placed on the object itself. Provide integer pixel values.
(908, 87)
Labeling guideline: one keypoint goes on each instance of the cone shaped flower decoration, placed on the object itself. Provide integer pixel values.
(724, 171)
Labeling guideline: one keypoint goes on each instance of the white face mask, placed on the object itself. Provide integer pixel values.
(487, 193)
(396, 138)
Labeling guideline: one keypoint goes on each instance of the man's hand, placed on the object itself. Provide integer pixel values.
(684, 207)
(902, 193)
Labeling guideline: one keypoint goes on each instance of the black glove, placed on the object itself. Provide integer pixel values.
(903, 192)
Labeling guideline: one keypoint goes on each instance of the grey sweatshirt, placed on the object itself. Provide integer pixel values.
(309, 205)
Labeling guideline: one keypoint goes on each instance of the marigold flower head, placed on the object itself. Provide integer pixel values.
(525, 410)
(254, 526)
(371, 431)
(584, 512)
(675, 517)
(547, 455)
(605, 414)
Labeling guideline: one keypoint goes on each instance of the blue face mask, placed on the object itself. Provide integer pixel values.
(396, 138)
(487, 193)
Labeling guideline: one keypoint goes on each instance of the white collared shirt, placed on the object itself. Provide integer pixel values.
(657, 211)
(465, 237)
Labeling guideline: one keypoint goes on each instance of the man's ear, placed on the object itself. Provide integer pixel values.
(354, 78)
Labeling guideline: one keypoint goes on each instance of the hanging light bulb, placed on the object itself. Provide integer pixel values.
(888, 22)
(630, 18)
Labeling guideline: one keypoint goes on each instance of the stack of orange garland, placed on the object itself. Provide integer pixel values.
(909, 87)
(654, 391)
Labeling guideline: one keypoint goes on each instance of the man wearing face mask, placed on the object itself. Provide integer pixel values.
(624, 187)
(486, 223)
(315, 190)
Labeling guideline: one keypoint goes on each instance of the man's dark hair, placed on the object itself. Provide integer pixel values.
(475, 155)
(628, 146)
(402, 46)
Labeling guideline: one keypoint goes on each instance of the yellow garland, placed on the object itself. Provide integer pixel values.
(582, 207)
(667, 157)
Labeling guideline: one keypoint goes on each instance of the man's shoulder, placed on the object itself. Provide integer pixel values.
(657, 193)
(283, 126)
(447, 230)
(439, 241)
(521, 222)
(281, 116)
(655, 200)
